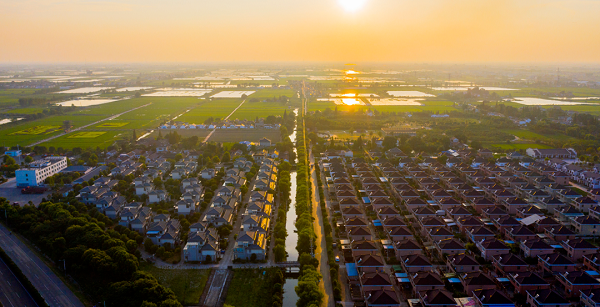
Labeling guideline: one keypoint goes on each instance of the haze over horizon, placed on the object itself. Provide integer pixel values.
(311, 30)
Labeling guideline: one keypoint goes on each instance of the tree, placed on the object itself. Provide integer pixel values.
(389, 142)
(28, 159)
(280, 253)
(226, 157)
(67, 125)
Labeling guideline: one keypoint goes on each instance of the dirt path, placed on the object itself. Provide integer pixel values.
(226, 118)
(321, 248)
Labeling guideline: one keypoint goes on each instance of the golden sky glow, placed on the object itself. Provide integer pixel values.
(308, 30)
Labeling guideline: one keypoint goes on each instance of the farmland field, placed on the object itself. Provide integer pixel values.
(86, 135)
(519, 146)
(270, 93)
(252, 110)
(530, 135)
(36, 130)
(220, 108)
(112, 125)
(188, 285)
(91, 139)
(432, 106)
(32, 110)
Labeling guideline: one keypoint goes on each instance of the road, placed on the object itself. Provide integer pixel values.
(88, 125)
(216, 287)
(321, 250)
(226, 118)
(12, 291)
(52, 288)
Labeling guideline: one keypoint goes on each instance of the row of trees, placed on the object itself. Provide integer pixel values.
(308, 290)
(103, 261)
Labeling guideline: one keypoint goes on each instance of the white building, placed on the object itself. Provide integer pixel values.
(39, 170)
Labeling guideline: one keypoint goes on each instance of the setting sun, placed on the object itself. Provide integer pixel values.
(352, 5)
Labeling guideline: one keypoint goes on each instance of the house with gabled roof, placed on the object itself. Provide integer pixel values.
(462, 263)
(381, 298)
(416, 263)
(393, 221)
(520, 233)
(509, 263)
(449, 247)
(477, 280)
(491, 298)
(480, 233)
(359, 233)
(437, 298)
(561, 233)
(369, 263)
(536, 247)
(527, 281)
(370, 281)
(399, 233)
(363, 247)
(586, 226)
(577, 281)
(491, 248)
(468, 222)
(439, 233)
(556, 263)
(424, 281)
(546, 298)
(406, 248)
(578, 248)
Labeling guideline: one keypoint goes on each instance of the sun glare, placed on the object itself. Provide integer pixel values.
(352, 5)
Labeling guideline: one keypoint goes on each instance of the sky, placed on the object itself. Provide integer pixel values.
(307, 30)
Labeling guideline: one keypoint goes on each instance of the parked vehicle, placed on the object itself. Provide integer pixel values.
(33, 190)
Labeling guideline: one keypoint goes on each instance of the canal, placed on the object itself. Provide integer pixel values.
(289, 294)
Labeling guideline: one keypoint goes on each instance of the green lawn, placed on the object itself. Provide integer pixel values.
(519, 146)
(188, 285)
(244, 290)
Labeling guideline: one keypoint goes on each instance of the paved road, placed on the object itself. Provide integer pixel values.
(52, 289)
(12, 292)
(88, 125)
(216, 287)
(10, 191)
(226, 118)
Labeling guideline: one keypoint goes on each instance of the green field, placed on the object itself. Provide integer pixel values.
(532, 136)
(10, 97)
(219, 108)
(270, 93)
(519, 146)
(88, 141)
(432, 106)
(243, 292)
(253, 110)
(188, 285)
(113, 125)
(86, 135)
(25, 111)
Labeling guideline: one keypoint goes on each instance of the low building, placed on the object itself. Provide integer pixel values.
(36, 172)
